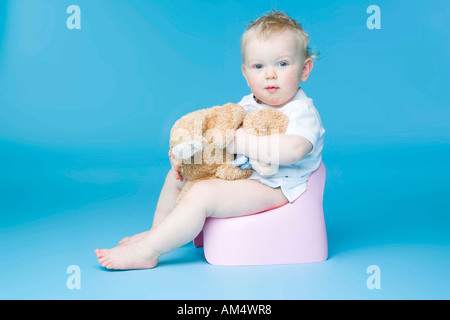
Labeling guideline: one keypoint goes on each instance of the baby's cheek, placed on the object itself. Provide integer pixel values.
(253, 83)
(293, 78)
(255, 87)
(292, 81)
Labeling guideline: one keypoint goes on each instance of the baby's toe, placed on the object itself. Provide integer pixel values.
(101, 252)
(109, 265)
(105, 261)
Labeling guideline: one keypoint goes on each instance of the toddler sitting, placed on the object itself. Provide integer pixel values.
(275, 60)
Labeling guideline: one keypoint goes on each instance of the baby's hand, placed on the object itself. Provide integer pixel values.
(175, 163)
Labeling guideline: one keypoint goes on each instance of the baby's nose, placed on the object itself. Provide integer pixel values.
(270, 73)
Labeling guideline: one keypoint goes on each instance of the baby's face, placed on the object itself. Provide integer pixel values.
(273, 67)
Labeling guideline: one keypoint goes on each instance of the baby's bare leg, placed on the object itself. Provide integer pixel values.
(210, 198)
(169, 193)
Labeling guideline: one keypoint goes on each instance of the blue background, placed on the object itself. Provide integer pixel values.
(84, 126)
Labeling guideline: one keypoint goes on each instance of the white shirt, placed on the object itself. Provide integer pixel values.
(304, 120)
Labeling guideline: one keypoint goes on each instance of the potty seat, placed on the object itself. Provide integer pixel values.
(292, 233)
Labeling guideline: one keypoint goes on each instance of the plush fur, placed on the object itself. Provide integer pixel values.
(200, 139)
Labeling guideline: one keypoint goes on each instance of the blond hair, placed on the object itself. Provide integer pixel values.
(277, 21)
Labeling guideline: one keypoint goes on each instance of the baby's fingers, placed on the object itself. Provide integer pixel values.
(178, 175)
(175, 167)
(176, 172)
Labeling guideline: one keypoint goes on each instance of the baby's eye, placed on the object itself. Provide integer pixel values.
(283, 64)
(257, 66)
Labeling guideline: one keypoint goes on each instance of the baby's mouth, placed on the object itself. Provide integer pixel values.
(272, 88)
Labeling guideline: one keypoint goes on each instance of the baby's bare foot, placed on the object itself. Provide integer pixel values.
(125, 257)
(133, 239)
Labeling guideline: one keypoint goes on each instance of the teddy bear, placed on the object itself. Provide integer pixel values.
(264, 122)
(199, 139)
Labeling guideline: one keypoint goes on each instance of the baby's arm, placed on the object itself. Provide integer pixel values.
(278, 149)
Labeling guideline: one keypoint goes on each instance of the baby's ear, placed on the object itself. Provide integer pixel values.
(307, 67)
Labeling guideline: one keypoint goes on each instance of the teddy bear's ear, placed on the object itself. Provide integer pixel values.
(187, 149)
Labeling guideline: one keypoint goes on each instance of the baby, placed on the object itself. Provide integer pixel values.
(276, 59)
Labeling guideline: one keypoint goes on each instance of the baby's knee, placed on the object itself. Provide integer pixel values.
(202, 186)
(202, 190)
(204, 194)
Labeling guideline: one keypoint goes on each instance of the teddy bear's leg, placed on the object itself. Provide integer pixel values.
(228, 172)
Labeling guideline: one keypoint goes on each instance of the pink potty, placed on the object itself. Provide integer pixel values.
(293, 233)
